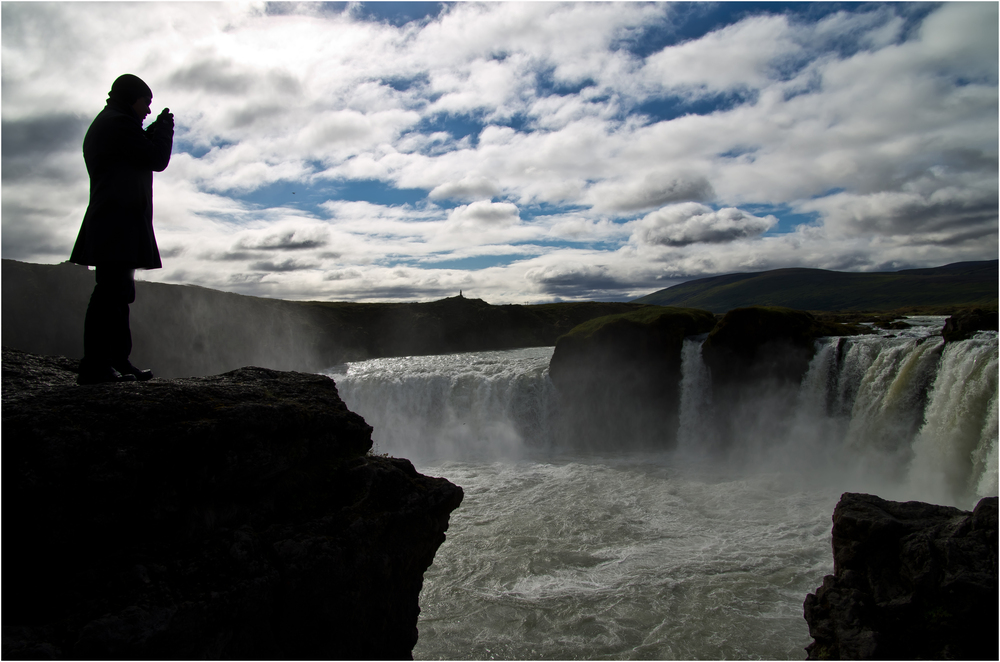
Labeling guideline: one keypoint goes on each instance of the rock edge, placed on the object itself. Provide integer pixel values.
(911, 581)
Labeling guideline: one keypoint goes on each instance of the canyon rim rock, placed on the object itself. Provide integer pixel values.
(619, 376)
(766, 342)
(233, 516)
(911, 581)
(964, 324)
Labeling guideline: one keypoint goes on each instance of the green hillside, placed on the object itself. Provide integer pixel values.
(962, 284)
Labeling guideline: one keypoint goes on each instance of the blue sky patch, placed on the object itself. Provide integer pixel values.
(458, 126)
(674, 106)
(398, 13)
(788, 220)
(376, 192)
(471, 263)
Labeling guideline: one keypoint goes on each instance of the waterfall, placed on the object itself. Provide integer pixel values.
(696, 398)
(955, 452)
(476, 404)
(907, 411)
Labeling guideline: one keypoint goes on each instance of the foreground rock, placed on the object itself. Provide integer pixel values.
(234, 516)
(619, 376)
(911, 581)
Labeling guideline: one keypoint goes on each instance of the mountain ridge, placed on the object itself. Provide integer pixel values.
(959, 283)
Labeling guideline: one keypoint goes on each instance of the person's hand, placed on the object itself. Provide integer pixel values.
(166, 118)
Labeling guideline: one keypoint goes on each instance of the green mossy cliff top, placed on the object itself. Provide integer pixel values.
(688, 321)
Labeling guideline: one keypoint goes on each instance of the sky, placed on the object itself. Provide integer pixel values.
(516, 152)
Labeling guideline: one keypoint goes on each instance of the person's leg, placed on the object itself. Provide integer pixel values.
(107, 338)
(123, 284)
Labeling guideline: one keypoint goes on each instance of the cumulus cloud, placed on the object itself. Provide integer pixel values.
(574, 280)
(692, 223)
(653, 190)
(959, 211)
(485, 222)
(283, 241)
(467, 188)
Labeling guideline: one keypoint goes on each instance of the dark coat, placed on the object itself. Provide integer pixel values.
(121, 158)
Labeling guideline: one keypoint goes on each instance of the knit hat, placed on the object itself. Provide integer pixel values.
(127, 88)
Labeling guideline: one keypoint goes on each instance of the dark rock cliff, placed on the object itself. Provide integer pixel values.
(911, 581)
(233, 516)
(619, 376)
(964, 325)
(766, 342)
(757, 358)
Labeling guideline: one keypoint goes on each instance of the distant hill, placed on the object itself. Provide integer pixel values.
(962, 284)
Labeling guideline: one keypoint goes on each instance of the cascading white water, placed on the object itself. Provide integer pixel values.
(476, 405)
(702, 551)
(955, 453)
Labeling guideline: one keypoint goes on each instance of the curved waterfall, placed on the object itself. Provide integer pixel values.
(907, 408)
(705, 550)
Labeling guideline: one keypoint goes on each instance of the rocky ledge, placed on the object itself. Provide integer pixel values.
(233, 516)
(911, 581)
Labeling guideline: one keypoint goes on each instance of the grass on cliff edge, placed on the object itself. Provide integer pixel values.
(641, 316)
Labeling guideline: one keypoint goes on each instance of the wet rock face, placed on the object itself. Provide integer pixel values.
(964, 325)
(619, 376)
(911, 581)
(765, 343)
(233, 516)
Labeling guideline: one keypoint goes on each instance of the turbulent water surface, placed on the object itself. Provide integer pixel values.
(705, 550)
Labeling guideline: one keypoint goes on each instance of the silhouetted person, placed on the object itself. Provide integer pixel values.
(117, 233)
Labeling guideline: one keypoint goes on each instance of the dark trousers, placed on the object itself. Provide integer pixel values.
(107, 339)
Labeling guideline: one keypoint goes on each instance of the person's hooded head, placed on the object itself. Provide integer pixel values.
(128, 89)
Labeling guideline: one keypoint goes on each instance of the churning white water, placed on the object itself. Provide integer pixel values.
(701, 551)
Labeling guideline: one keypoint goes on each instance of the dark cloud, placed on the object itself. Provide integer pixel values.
(249, 114)
(172, 252)
(27, 234)
(946, 211)
(405, 292)
(692, 223)
(42, 135)
(346, 274)
(656, 191)
(287, 265)
(577, 281)
(28, 144)
(213, 76)
(283, 241)
(224, 77)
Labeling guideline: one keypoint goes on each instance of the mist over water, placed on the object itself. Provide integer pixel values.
(703, 550)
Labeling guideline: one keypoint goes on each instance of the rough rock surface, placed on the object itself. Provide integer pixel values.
(964, 325)
(619, 376)
(911, 581)
(777, 343)
(234, 516)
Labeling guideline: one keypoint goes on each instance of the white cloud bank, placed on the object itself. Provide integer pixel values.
(571, 178)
